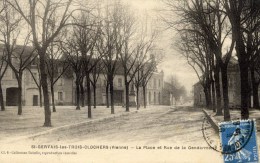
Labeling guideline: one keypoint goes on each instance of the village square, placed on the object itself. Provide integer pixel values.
(127, 80)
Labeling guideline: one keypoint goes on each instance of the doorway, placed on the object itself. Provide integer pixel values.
(35, 100)
(11, 96)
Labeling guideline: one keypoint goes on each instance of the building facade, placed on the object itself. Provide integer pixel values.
(65, 89)
(154, 90)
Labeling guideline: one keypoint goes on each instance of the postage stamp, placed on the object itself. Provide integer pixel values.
(238, 141)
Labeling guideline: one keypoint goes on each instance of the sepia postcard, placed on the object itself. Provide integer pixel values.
(129, 81)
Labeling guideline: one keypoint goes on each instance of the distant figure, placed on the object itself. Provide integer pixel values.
(238, 138)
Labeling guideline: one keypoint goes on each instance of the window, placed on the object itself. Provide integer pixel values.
(149, 84)
(120, 82)
(60, 81)
(60, 69)
(35, 75)
(13, 75)
(154, 83)
(60, 96)
(154, 98)
(149, 97)
(159, 97)
(34, 63)
(104, 83)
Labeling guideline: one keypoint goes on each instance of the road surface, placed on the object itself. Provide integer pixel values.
(161, 134)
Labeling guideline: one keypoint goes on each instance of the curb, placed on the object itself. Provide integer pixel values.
(32, 136)
(212, 121)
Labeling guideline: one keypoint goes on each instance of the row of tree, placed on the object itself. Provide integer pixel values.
(88, 40)
(176, 89)
(209, 33)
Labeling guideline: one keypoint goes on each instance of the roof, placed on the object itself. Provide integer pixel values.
(19, 49)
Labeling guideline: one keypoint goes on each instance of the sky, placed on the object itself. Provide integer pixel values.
(174, 63)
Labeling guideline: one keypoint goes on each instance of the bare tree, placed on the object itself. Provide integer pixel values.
(106, 46)
(256, 81)
(137, 84)
(147, 69)
(176, 89)
(244, 19)
(107, 89)
(197, 53)
(144, 66)
(3, 68)
(87, 35)
(56, 66)
(3, 65)
(37, 14)
(129, 51)
(254, 47)
(74, 59)
(211, 24)
(82, 89)
(97, 70)
(18, 56)
(36, 77)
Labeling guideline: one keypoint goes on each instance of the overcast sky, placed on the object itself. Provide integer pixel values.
(173, 63)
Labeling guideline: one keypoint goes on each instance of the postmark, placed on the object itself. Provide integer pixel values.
(211, 136)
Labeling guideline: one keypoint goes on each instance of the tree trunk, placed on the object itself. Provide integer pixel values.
(244, 89)
(2, 97)
(111, 94)
(137, 98)
(107, 95)
(255, 85)
(144, 95)
(213, 93)
(89, 96)
(52, 98)
(77, 95)
(47, 111)
(225, 92)
(256, 96)
(218, 92)
(127, 96)
(20, 94)
(212, 82)
(206, 92)
(95, 96)
(40, 94)
(82, 92)
(209, 94)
